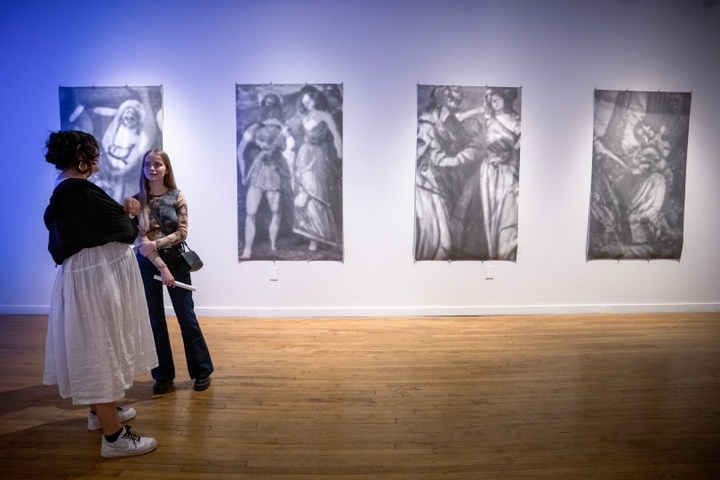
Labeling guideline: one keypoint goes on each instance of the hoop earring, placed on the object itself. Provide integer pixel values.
(82, 167)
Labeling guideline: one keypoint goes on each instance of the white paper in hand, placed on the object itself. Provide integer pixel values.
(179, 284)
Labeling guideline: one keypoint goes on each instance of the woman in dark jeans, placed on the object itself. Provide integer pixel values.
(159, 200)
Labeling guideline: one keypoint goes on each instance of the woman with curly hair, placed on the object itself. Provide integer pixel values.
(99, 334)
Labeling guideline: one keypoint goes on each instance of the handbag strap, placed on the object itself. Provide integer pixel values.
(160, 224)
(180, 245)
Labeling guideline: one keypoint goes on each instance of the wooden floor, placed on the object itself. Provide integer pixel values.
(525, 397)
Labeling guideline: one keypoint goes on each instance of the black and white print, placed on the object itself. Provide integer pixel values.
(289, 165)
(126, 121)
(637, 199)
(467, 173)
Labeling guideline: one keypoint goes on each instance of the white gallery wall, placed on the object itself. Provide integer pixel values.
(558, 51)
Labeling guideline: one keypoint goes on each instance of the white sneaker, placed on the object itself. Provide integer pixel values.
(125, 414)
(127, 445)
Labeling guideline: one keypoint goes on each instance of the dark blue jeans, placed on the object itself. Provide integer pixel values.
(197, 355)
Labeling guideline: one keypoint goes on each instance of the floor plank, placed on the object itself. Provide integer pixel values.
(536, 397)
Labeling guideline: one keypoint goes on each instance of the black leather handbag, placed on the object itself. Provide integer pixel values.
(179, 256)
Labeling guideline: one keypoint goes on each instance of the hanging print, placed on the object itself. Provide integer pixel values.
(126, 121)
(289, 172)
(467, 173)
(637, 202)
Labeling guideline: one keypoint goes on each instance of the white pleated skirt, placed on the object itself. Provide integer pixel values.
(99, 334)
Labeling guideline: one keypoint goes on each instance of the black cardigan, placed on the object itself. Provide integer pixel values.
(81, 215)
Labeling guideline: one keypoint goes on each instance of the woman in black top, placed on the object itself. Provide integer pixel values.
(99, 332)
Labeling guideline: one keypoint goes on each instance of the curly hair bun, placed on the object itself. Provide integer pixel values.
(64, 147)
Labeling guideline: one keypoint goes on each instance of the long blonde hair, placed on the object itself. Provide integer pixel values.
(168, 181)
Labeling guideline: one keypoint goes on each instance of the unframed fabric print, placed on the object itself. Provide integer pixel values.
(289, 157)
(467, 173)
(637, 203)
(126, 121)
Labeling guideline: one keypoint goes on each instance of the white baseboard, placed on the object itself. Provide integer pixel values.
(308, 312)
